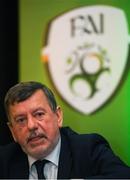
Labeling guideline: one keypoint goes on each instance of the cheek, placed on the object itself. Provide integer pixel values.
(19, 135)
(50, 128)
(54, 129)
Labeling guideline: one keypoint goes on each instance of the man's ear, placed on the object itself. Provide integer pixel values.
(59, 113)
(12, 130)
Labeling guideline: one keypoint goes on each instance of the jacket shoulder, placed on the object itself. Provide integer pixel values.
(91, 139)
(10, 151)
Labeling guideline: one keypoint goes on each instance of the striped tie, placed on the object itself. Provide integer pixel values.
(40, 168)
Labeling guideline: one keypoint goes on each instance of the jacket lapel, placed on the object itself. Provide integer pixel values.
(65, 159)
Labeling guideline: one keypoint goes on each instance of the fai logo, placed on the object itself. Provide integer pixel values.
(86, 54)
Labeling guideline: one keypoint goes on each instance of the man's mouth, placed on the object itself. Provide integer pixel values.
(38, 138)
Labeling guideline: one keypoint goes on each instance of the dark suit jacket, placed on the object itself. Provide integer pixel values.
(81, 156)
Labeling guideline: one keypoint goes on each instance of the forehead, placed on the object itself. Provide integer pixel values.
(36, 99)
(38, 94)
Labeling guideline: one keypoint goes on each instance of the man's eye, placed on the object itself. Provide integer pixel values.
(20, 120)
(39, 115)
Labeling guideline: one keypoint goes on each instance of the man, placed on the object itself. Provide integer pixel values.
(35, 122)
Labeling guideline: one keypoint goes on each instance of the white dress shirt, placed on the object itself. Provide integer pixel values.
(51, 168)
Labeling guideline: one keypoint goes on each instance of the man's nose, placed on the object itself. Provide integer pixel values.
(31, 123)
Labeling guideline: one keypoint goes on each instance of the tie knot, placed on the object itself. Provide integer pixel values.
(40, 167)
(40, 163)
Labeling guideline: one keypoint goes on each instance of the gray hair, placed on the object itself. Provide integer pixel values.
(24, 90)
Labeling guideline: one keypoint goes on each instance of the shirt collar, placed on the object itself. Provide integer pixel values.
(53, 157)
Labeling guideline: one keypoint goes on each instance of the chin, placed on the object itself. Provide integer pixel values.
(38, 152)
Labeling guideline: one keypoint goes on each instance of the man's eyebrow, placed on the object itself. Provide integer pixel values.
(38, 109)
(18, 115)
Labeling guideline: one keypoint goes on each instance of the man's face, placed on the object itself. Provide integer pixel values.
(34, 125)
